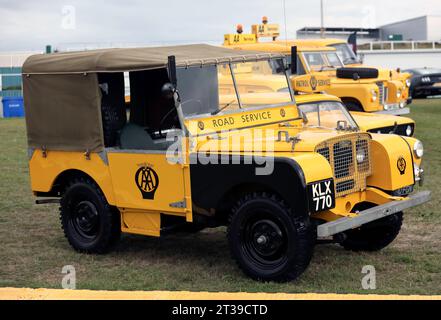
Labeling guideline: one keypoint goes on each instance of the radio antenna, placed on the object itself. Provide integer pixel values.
(284, 17)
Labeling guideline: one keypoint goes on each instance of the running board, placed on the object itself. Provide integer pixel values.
(47, 201)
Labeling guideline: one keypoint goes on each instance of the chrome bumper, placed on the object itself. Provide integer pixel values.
(395, 112)
(372, 214)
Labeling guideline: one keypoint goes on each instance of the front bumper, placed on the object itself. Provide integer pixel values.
(395, 112)
(372, 214)
(427, 90)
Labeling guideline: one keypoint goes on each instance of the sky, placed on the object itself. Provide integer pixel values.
(30, 25)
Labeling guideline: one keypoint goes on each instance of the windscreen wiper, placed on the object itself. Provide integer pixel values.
(223, 108)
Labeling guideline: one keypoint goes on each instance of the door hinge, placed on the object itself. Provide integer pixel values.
(180, 204)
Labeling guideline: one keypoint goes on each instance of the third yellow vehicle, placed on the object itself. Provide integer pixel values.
(361, 89)
(350, 59)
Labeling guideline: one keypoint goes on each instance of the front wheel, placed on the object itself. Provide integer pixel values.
(268, 241)
(375, 235)
(90, 224)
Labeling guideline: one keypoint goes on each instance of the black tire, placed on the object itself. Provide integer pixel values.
(374, 236)
(353, 106)
(89, 223)
(286, 242)
(357, 73)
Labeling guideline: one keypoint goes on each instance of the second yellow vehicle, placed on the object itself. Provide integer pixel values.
(361, 89)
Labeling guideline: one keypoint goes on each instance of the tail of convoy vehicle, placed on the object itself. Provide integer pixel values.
(192, 148)
(361, 89)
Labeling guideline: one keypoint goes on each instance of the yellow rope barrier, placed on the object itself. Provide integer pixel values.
(60, 294)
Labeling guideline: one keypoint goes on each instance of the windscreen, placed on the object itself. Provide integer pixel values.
(346, 53)
(327, 114)
(322, 61)
(217, 89)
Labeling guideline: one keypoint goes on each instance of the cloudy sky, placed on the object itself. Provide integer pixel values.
(30, 25)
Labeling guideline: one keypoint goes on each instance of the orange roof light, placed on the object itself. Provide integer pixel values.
(264, 19)
(239, 28)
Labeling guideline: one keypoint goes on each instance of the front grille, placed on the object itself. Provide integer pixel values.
(350, 174)
(383, 92)
(344, 186)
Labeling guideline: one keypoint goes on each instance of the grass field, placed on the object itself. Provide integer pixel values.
(33, 248)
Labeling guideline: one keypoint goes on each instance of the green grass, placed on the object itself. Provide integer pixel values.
(34, 249)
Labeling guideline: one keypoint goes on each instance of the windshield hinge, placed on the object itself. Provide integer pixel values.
(288, 139)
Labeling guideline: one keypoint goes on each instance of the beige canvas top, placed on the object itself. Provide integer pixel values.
(130, 59)
(62, 96)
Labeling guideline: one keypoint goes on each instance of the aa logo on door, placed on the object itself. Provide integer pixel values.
(313, 82)
(147, 181)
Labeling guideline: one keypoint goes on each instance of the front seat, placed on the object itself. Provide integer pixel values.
(134, 137)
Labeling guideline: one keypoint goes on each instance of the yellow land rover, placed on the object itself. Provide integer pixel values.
(361, 89)
(350, 59)
(187, 153)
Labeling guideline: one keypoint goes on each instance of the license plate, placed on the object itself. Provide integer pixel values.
(321, 195)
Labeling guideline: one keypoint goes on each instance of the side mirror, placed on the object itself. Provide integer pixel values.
(294, 60)
(171, 66)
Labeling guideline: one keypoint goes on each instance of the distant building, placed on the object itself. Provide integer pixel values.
(425, 28)
(363, 34)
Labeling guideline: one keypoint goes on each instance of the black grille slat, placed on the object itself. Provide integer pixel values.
(343, 159)
(345, 185)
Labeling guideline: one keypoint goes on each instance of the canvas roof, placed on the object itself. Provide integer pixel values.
(130, 59)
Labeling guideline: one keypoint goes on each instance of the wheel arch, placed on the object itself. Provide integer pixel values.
(215, 187)
(61, 180)
(231, 196)
(352, 100)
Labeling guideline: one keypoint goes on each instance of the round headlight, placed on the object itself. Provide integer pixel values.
(408, 82)
(409, 130)
(361, 155)
(374, 95)
(418, 149)
(398, 93)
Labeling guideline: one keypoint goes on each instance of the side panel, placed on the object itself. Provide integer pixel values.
(360, 92)
(44, 170)
(145, 181)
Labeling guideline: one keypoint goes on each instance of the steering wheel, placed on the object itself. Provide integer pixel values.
(165, 117)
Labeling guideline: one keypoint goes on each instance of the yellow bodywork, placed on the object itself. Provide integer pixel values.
(258, 130)
(115, 172)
